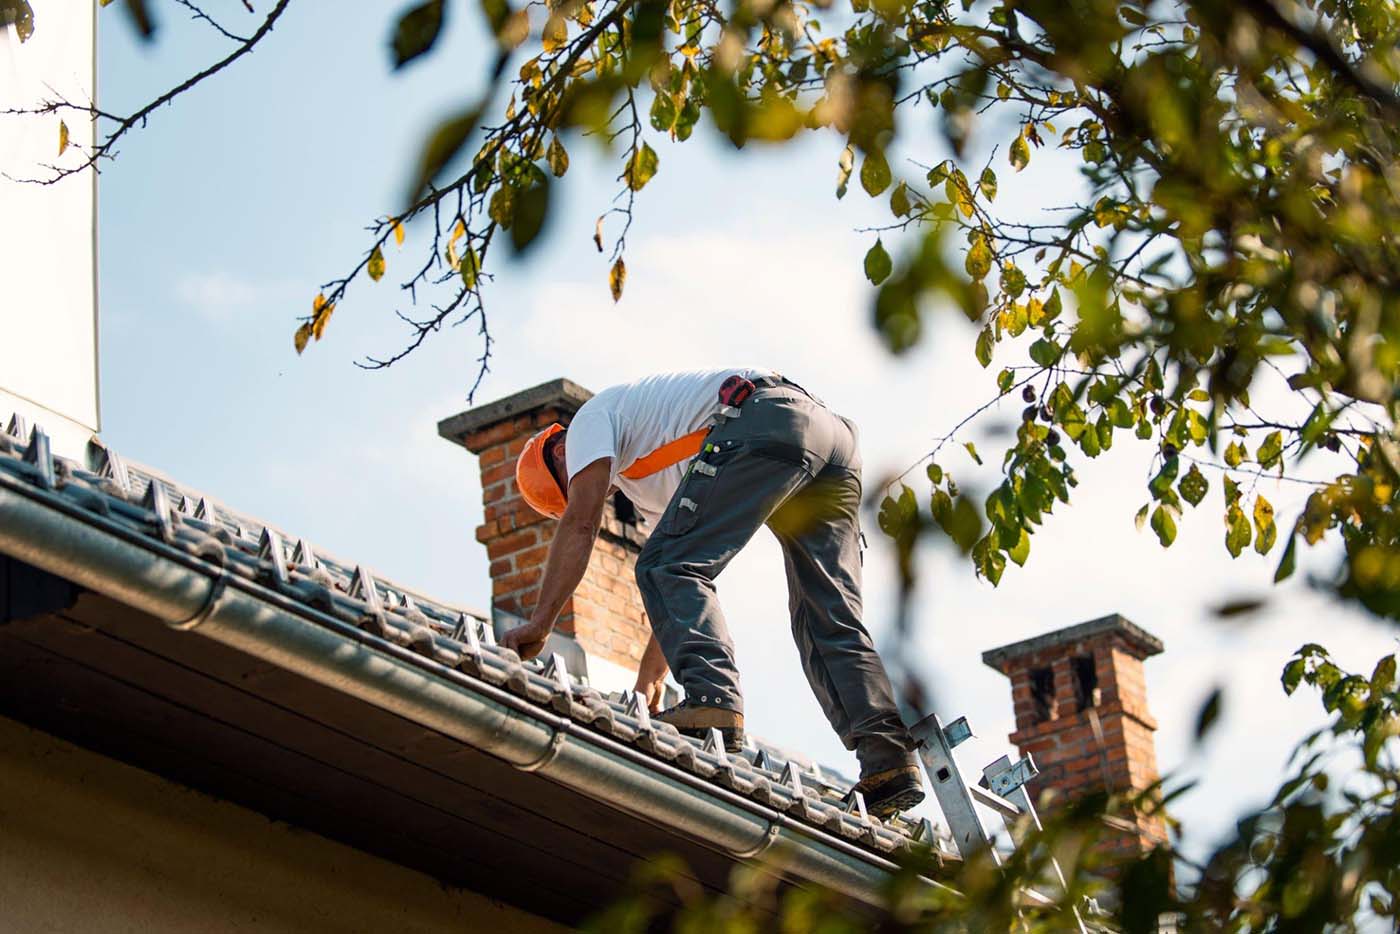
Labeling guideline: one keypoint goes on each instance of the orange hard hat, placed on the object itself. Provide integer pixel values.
(535, 480)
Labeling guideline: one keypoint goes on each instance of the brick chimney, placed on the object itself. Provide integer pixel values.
(1081, 711)
(605, 615)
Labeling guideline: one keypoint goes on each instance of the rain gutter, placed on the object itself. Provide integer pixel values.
(47, 530)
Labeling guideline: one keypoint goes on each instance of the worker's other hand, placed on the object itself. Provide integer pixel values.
(527, 641)
(653, 691)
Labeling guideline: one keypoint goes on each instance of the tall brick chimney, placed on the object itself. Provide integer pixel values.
(1081, 711)
(605, 615)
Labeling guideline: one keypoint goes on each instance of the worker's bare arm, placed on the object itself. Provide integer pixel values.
(568, 556)
(651, 674)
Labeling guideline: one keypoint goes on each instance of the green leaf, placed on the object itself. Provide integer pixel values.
(1237, 531)
(446, 140)
(878, 265)
(935, 474)
(1053, 305)
(1020, 154)
(1289, 562)
(21, 14)
(1293, 674)
(990, 562)
(663, 113)
(416, 31)
(1045, 352)
(988, 184)
(1162, 482)
(641, 167)
(1235, 454)
(1209, 713)
(1383, 676)
(874, 173)
(1164, 525)
(972, 450)
(978, 261)
(375, 266)
(985, 342)
(1141, 518)
(1020, 551)
(1194, 486)
(1270, 451)
(1005, 380)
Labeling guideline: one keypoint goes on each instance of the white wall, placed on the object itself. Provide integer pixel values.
(48, 313)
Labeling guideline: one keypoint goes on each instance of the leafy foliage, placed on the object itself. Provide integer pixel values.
(1316, 858)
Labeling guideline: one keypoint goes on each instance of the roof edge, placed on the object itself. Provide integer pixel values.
(561, 393)
(1142, 642)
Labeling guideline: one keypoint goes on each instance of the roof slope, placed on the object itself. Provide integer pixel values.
(445, 647)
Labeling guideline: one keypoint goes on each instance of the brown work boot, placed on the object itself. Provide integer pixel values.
(694, 720)
(891, 791)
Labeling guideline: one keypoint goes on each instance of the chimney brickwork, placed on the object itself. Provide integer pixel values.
(1081, 711)
(605, 614)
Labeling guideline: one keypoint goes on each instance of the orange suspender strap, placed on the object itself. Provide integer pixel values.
(673, 452)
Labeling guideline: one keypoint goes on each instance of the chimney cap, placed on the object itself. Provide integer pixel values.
(1140, 642)
(563, 394)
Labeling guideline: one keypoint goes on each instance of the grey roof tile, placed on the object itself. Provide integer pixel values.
(145, 504)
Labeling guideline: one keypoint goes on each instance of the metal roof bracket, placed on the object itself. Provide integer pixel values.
(158, 502)
(39, 455)
(271, 556)
(363, 587)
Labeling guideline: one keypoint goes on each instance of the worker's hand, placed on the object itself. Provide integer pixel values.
(527, 641)
(653, 691)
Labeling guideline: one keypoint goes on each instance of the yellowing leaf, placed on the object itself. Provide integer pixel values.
(979, 258)
(398, 232)
(318, 325)
(1020, 154)
(318, 303)
(844, 166)
(617, 278)
(899, 200)
(62, 137)
(557, 157)
(1264, 525)
(555, 33)
(470, 268)
(641, 168)
(375, 266)
(988, 184)
(302, 335)
(598, 233)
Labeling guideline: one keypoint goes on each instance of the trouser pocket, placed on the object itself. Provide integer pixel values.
(693, 496)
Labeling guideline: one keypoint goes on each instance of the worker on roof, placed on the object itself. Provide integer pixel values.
(708, 457)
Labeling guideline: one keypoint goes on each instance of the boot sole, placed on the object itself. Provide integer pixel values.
(899, 801)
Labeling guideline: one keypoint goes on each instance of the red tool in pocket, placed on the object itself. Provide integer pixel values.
(735, 390)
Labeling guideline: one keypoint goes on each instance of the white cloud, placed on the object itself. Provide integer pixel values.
(215, 294)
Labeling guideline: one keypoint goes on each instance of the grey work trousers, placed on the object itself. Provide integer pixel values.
(788, 462)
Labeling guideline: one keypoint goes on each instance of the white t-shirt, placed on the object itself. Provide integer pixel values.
(629, 421)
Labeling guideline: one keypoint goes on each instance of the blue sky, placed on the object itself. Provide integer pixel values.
(220, 219)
